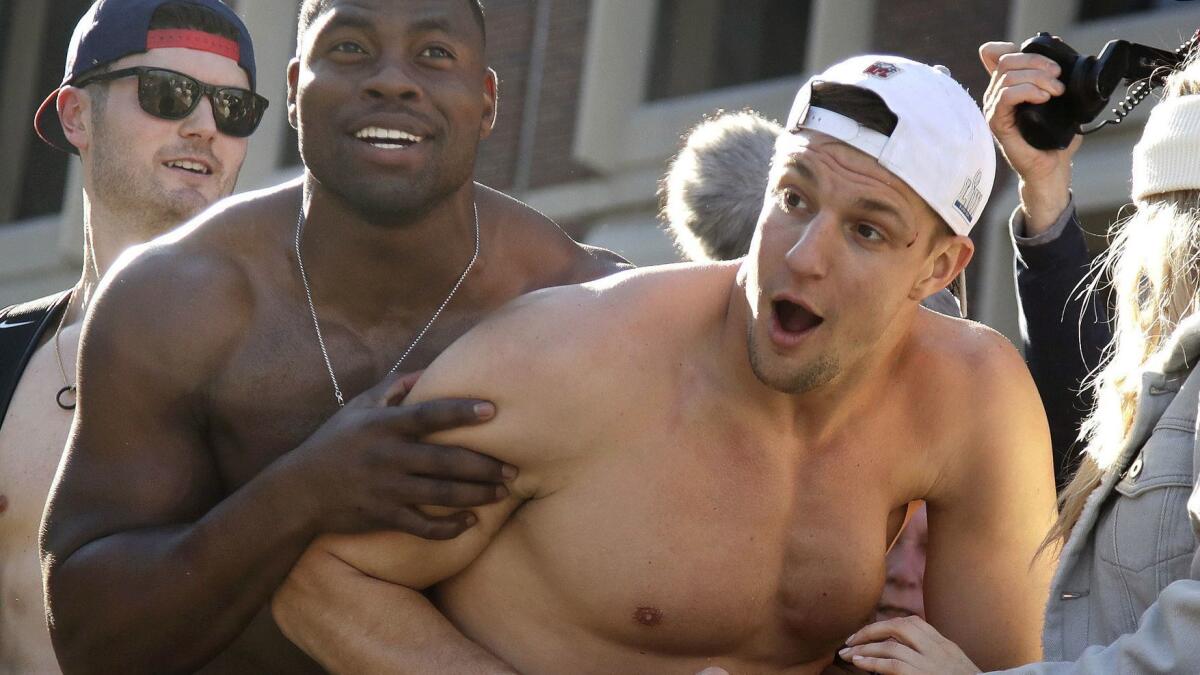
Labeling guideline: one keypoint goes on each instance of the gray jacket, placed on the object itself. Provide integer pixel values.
(1126, 596)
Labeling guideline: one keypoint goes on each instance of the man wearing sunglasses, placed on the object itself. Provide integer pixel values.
(211, 443)
(157, 101)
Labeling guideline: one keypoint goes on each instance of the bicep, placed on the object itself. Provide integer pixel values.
(133, 460)
(985, 585)
(136, 456)
(416, 562)
(408, 560)
(352, 623)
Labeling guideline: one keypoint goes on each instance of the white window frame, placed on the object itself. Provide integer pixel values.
(618, 129)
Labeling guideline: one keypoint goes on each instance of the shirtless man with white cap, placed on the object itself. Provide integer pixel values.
(806, 392)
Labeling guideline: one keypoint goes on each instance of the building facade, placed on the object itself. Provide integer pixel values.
(595, 95)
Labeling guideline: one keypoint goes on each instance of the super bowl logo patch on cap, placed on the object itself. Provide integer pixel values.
(882, 69)
(969, 197)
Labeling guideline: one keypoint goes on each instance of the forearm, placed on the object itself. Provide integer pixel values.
(410, 636)
(1044, 198)
(352, 623)
(169, 599)
(1065, 326)
(1060, 314)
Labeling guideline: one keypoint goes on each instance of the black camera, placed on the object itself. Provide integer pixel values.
(1090, 81)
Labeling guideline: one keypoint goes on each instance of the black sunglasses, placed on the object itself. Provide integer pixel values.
(173, 96)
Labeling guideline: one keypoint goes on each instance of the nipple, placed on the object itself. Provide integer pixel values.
(648, 616)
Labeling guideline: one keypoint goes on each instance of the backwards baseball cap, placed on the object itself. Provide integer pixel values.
(941, 147)
(114, 29)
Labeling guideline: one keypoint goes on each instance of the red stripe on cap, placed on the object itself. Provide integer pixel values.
(193, 39)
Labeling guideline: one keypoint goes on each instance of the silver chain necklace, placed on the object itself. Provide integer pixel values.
(312, 308)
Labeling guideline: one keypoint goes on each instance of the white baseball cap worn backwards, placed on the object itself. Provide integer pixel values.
(941, 147)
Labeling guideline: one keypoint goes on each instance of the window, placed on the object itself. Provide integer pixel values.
(711, 44)
(46, 168)
(6, 9)
(1101, 9)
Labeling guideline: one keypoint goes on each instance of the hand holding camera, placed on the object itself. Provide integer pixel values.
(1040, 97)
(1020, 78)
(1088, 82)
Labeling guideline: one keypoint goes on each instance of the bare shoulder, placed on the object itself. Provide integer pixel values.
(588, 325)
(990, 495)
(975, 357)
(186, 293)
(987, 401)
(552, 256)
(564, 353)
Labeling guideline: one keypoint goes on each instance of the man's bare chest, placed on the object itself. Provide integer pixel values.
(278, 387)
(713, 538)
(32, 437)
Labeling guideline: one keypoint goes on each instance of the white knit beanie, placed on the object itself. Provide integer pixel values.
(1168, 156)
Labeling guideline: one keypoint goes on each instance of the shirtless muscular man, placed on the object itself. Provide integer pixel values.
(211, 444)
(714, 457)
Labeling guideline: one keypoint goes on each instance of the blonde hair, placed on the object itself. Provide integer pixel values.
(1154, 267)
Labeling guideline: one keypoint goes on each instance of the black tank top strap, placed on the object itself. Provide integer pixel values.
(21, 329)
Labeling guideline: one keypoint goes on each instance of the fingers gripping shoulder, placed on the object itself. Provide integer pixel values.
(537, 363)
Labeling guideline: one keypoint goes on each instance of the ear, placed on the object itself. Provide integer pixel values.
(491, 94)
(947, 260)
(293, 79)
(74, 108)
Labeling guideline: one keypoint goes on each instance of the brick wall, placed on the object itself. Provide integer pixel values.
(510, 40)
(510, 34)
(948, 32)
(560, 96)
(937, 31)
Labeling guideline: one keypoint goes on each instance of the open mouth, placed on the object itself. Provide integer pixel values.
(388, 139)
(794, 318)
(894, 612)
(189, 166)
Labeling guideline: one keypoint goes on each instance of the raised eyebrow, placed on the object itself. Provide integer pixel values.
(355, 20)
(894, 217)
(430, 25)
(344, 19)
(867, 204)
(794, 164)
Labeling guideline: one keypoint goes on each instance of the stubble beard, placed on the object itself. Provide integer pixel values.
(810, 376)
(383, 200)
(124, 189)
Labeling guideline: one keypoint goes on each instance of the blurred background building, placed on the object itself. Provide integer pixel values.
(594, 97)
